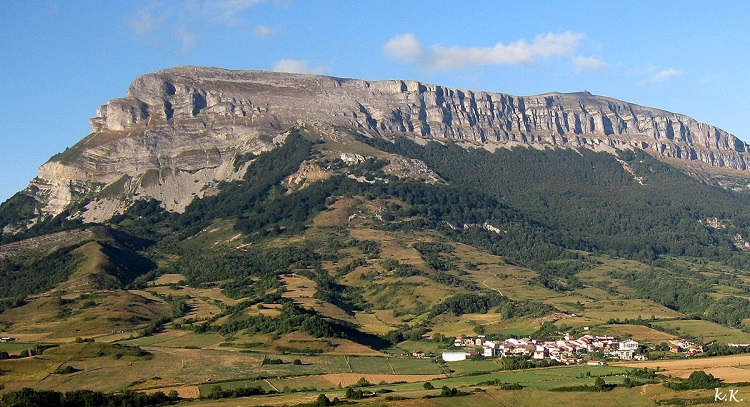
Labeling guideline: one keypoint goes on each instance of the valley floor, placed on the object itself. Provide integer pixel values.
(400, 381)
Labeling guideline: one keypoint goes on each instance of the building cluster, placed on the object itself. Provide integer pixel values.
(685, 346)
(566, 350)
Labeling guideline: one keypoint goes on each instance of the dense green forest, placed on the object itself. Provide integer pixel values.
(592, 199)
(691, 297)
(41, 273)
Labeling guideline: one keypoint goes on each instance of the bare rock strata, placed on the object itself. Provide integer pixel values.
(180, 131)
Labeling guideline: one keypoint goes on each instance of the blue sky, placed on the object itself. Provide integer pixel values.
(60, 60)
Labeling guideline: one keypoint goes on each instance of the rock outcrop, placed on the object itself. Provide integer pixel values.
(181, 130)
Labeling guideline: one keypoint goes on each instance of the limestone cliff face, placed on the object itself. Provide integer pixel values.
(179, 131)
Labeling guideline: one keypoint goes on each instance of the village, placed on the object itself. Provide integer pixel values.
(566, 350)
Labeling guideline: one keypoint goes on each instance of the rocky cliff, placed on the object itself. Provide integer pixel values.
(180, 131)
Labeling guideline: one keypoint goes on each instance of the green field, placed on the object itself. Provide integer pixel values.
(15, 347)
(543, 378)
(473, 366)
(707, 330)
(537, 379)
(534, 397)
(370, 365)
(414, 366)
(107, 367)
(181, 340)
(381, 365)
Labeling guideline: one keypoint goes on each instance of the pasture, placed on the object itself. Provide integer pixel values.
(101, 313)
(707, 331)
(639, 333)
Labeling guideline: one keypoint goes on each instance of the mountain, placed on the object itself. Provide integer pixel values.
(383, 196)
(299, 213)
(181, 131)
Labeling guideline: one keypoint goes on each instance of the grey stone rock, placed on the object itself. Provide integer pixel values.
(189, 124)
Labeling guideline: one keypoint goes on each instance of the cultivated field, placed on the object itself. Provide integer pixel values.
(728, 368)
(707, 331)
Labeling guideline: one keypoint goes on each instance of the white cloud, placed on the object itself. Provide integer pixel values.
(407, 48)
(588, 63)
(187, 39)
(297, 66)
(185, 20)
(263, 31)
(664, 75)
(226, 10)
(146, 22)
(708, 79)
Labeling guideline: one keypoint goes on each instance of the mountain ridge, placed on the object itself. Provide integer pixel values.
(179, 132)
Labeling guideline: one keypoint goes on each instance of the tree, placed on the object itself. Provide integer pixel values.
(599, 384)
(27, 397)
(322, 401)
(702, 380)
(353, 394)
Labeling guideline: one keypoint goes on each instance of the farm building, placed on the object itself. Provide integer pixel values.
(454, 356)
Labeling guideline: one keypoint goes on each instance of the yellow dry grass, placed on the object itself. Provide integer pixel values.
(619, 308)
(269, 310)
(450, 325)
(207, 294)
(641, 333)
(393, 245)
(491, 270)
(202, 302)
(723, 367)
(167, 279)
(91, 274)
(302, 342)
(297, 287)
(185, 392)
(707, 330)
(116, 311)
(301, 290)
(387, 317)
(348, 379)
(470, 254)
(287, 400)
(336, 214)
(347, 347)
(369, 322)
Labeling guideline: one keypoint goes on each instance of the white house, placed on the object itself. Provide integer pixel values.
(540, 352)
(490, 344)
(628, 345)
(454, 356)
(625, 354)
